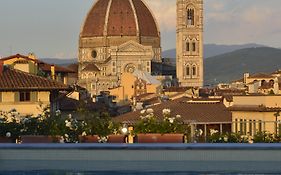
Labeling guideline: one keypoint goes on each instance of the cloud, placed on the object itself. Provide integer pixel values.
(165, 13)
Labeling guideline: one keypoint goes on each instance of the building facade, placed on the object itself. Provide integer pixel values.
(118, 36)
(27, 93)
(256, 113)
(31, 64)
(190, 43)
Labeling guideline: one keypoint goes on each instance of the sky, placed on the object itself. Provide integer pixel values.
(50, 28)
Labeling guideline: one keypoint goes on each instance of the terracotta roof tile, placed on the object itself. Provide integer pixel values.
(147, 24)
(44, 66)
(254, 108)
(121, 19)
(17, 56)
(261, 75)
(47, 68)
(201, 112)
(11, 79)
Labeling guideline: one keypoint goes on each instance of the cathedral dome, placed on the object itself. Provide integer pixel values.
(120, 18)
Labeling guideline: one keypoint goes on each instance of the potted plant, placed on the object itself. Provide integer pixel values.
(40, 129)
(100, 129)
(153, 129)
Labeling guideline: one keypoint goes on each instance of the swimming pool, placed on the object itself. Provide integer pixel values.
(147, 159)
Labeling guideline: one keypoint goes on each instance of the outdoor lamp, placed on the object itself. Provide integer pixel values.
(124, 129)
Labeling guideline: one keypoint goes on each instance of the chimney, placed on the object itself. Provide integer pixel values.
(53, 72)
(1, 67)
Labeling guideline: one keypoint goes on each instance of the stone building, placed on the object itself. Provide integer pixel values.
(117, 36)
(190, 43)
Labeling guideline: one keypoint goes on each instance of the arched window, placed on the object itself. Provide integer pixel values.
(194, 70)
(193, 46)
(190, 17)
(187, 46)
(187, 71)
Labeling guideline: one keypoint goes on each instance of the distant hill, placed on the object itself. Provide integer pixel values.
(211, 50)
(58, 61)
(232, 66)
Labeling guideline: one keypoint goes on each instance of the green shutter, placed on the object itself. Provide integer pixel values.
(34, 96)
(31, 69)
(17, 96)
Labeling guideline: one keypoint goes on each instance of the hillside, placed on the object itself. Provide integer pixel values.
(231, 66)
(59, 61)
(211, 50)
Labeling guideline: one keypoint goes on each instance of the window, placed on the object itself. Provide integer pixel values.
(279, 128)
(241, 126)
(250, 127)
(236, 125)
(193, 46)
(24, 96)
(260, 126)
(94, 53)
(187, 47)
(190, 17)
(254, 127)
(245, 127)
(187, 69)
(194, 70)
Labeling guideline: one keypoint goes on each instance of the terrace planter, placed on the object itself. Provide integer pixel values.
(159, 138)
(6, 140)
(116, 139)
(39, 139)
(89, 139)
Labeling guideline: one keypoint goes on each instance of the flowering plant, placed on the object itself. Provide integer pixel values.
(10, 124)
(101, 125)
(150, 123)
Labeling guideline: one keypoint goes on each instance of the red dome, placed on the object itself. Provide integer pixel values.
(119, 18)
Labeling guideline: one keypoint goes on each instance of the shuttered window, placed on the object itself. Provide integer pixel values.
(26, 96)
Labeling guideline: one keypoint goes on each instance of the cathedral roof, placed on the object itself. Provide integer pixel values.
(119, 18)
(91, 68)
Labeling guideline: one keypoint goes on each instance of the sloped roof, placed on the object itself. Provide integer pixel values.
(91, 67)
(11, 79)
(47, 68)
(146, 77)
(254, 108)
(261, 75)
(199, 112)
(42, 65)
(73, 67)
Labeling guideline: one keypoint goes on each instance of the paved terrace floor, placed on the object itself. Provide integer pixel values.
(201, 158)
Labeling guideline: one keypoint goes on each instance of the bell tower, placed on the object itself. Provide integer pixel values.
(190, 43)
